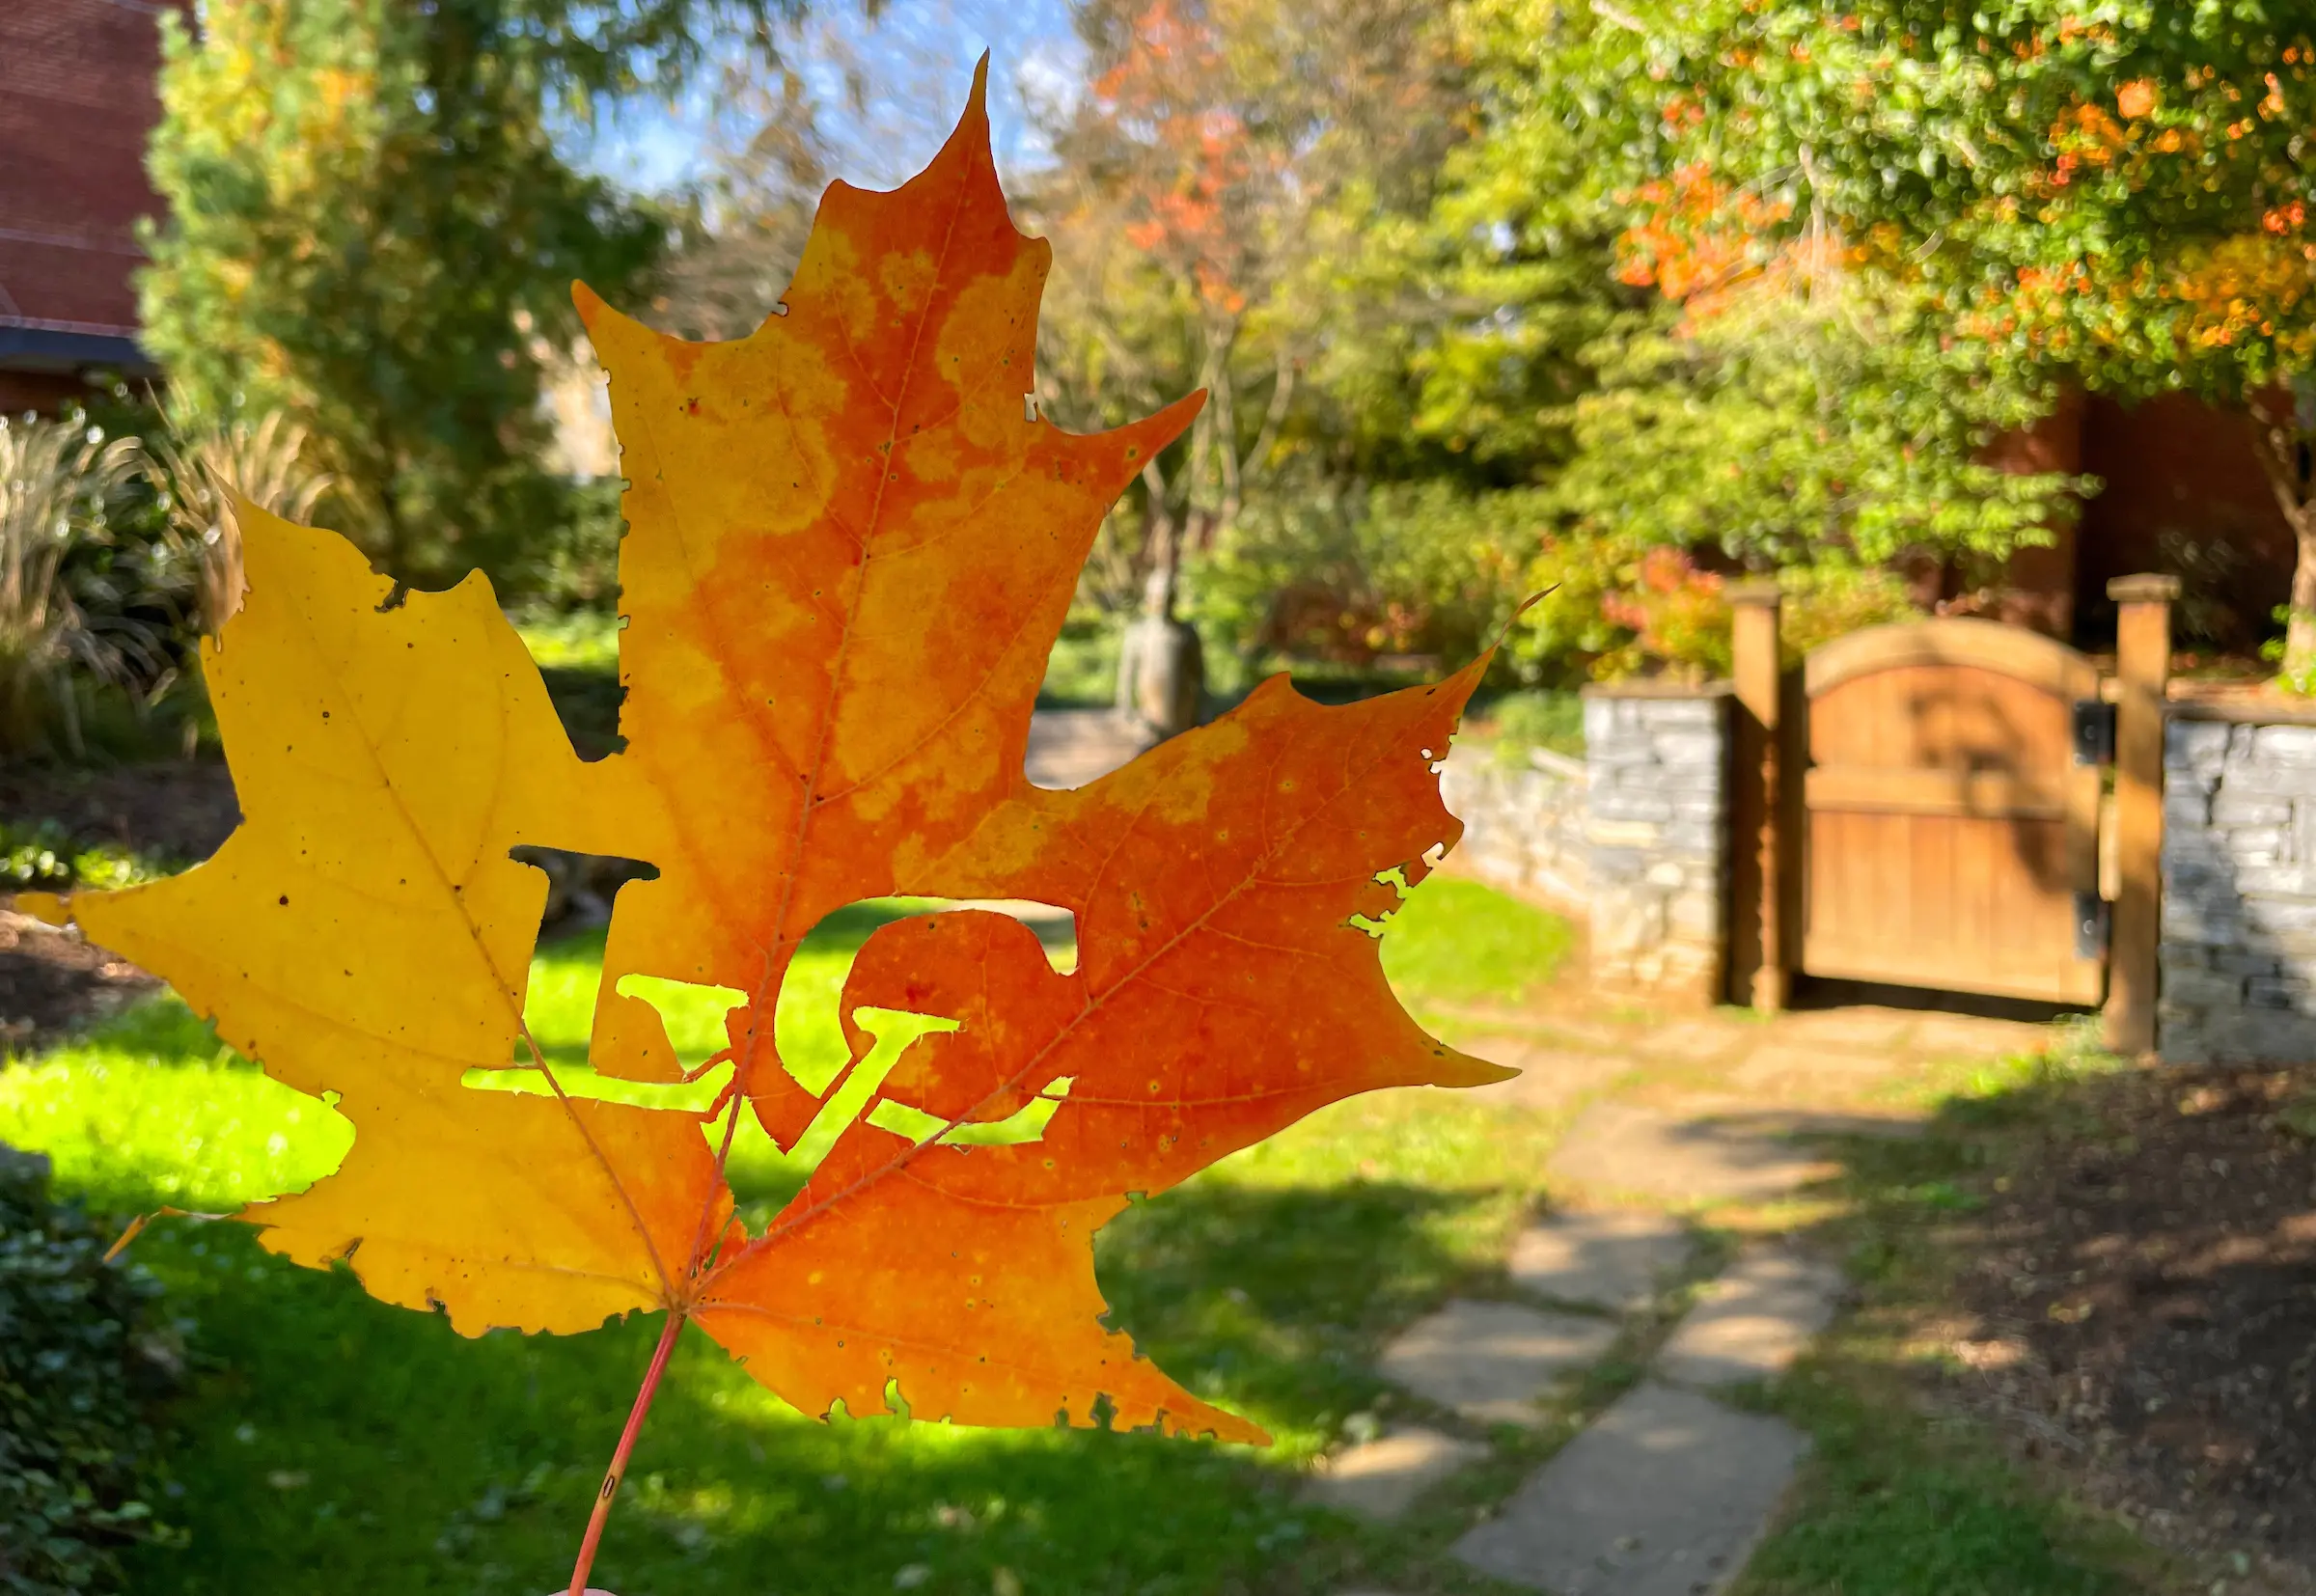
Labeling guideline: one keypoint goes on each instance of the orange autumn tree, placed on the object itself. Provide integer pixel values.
(849, 549)
(1749, 395)
(1226, 159)
(2114, 196)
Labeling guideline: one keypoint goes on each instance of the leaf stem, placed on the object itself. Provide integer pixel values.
(618, 1457)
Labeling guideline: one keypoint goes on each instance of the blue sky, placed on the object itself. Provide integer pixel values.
(917, 63)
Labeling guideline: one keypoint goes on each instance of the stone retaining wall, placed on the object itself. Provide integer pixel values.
(1657, 830)
(1524, 821)
(1634, 837)
(2236, 964)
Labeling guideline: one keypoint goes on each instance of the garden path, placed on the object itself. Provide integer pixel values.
(1663, 1264)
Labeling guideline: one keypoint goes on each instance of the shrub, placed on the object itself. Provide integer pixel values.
(79, 613)
(77, 1363)
(1627, 610)
(1344, 574)
(45, 856)
(1518, 722)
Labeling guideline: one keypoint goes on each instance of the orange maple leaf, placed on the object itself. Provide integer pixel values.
(849, 550)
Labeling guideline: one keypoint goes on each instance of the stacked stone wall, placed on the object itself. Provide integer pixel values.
(2237, 962)
(1656, 830)
(1633, 837)
(1524, 821)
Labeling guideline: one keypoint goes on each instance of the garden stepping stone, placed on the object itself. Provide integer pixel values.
(1665, 1494)
(1756, 1320)
(1380, 1479)
(1611, 1261)
(1687, 1155)
(1887, 1121)
(1491, 1361)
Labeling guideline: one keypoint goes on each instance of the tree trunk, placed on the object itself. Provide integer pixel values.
(2284, 454)
(1161, 667)
(2299, 626)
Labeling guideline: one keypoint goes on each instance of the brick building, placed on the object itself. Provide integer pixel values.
(78, 96)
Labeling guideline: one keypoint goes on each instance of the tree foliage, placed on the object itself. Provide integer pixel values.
(1758, 391)
(2118, 195)
(1211, 184)
(369, 222)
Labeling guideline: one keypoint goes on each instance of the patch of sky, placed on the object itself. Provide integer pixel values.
(890, 90)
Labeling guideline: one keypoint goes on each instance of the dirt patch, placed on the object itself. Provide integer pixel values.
(52, 983)
(2142, 1293)
(180, 810)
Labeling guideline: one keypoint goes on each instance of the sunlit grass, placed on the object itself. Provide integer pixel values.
(582, 640)
(152, 1110)
(1457, 942)
(332, 1443)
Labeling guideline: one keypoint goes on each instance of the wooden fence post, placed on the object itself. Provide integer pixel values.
(1758, 962)
(2142, 668)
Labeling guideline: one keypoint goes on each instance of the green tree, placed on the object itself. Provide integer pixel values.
(2118, 195)
(369, 225)
(1738, 383)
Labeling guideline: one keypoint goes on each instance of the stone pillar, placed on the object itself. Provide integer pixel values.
(2237, 956)
(1656, 827)
(2142, 668)
(1161, 675)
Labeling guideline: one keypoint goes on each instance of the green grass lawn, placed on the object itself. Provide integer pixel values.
(329, 1444)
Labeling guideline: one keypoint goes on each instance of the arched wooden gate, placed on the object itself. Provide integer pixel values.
(1950, 812)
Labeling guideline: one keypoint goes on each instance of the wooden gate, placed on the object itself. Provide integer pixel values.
(1950, 802)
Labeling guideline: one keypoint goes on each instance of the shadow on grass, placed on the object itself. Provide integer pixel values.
(2097, 1283)
(335, 1444)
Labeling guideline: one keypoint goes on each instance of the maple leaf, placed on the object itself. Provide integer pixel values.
(851, 548)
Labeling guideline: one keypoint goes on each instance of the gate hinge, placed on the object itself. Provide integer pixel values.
(2091, 925)
(2094, 731)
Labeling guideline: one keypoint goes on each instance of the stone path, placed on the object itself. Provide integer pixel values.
(1667, 1490)
(1490, 1361)
(1069, 748)
(1664, 1494)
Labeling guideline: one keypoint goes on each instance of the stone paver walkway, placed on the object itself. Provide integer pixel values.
(1069, 748)
(1616, 1260)
(1754, 1321)
(1683, 1157)
(1704, 1119)
(1663, 1495)
(1490, 1361)
(1382, 1479)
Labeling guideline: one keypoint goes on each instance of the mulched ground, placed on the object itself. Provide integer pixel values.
(2143, 1289)
(52, 982)
(180, 810)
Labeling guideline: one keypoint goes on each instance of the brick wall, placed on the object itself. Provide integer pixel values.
(79, 94)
